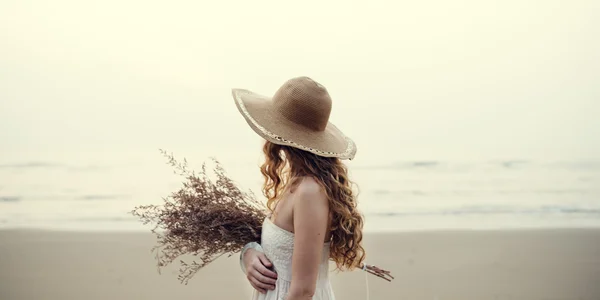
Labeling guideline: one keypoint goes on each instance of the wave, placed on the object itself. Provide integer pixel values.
(102, 197)
(103, 219)
(468, 165)
(483, 193)
(423, 164)
(40, 165)
(495, 210)
(10, 199)
(33, 164)
(404, 165)
(576, 165)
(87, 197)
(513, 163)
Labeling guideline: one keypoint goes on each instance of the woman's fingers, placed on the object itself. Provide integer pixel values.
(268, 282)
(263, 279)
(256, 281)
(259, 276)
(255, 286)
(264, 260)
(265, 272)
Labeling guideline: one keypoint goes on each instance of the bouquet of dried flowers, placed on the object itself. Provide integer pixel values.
(206, 218)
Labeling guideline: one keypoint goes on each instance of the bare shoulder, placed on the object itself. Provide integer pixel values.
(310, 200)
(309, 188)
(310, 211)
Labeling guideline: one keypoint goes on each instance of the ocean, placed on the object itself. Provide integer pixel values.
(96, 193)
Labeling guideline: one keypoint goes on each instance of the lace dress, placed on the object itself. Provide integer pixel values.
(278, 245)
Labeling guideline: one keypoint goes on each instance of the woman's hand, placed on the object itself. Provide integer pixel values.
(257, 270)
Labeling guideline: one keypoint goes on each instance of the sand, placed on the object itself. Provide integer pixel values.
(461, 265)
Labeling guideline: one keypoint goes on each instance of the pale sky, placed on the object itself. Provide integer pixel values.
(409, 79)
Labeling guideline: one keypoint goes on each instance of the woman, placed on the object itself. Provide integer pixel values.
(313, 217)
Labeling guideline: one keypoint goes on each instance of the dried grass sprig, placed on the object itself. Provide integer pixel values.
(205, 218)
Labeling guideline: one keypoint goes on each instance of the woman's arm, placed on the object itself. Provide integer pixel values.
(311, 213)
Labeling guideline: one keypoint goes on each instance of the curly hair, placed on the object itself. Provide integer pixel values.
(284, 164)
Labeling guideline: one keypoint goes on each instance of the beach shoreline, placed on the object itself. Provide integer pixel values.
(451, 264)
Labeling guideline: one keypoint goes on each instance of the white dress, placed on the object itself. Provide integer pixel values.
(278, 246)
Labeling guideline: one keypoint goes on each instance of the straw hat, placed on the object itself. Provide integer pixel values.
(297, 116)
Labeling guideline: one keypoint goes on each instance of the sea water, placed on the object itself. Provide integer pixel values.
(97, 192)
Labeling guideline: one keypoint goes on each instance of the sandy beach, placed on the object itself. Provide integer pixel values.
(498, 265)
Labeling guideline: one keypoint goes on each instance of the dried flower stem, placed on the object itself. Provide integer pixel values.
(205, 218)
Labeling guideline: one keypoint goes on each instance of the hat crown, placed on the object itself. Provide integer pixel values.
(304, 102)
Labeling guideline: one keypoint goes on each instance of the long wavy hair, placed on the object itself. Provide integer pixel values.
(284, 165)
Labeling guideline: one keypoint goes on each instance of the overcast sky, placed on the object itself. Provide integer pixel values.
(409, 79)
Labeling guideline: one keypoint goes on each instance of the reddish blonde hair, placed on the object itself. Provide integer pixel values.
(284, 164)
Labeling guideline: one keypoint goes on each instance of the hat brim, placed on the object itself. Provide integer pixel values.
(266, 122)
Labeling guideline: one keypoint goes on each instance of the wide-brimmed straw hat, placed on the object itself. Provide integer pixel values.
(297, 116)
